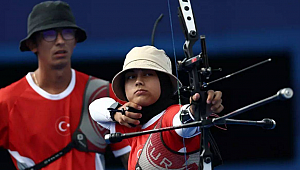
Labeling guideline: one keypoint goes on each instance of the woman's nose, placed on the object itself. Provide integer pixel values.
(139, 81)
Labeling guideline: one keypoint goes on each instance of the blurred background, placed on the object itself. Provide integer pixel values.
(239, 33)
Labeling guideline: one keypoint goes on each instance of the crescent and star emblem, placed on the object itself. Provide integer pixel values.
(62, 126)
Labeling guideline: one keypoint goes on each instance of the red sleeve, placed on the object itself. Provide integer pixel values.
(123, 129)
(119, 145)
(125, 142)
(171, 138)
(4, 112)
(8, 97)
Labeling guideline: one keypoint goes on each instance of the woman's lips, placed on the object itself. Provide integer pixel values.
(140, 92)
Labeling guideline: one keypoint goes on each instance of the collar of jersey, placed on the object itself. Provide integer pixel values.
(49, 96)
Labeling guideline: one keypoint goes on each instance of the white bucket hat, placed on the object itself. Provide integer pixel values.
(146, 57)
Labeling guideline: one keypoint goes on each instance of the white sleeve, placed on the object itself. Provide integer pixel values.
(185, 132)
(122, 151)
(99, 113)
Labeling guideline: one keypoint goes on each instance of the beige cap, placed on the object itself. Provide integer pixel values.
(146, 57)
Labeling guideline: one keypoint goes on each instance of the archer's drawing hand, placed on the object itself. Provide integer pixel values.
(129, 117)
(214, 98)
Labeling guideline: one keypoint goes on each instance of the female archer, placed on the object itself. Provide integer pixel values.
(148, 85)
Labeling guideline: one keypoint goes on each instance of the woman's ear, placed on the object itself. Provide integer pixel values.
(31, 45)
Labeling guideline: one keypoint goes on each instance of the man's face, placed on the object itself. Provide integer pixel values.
(142, 86)
(55, 47)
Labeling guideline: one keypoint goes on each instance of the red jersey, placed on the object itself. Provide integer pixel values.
(171, 138)
(35, 124)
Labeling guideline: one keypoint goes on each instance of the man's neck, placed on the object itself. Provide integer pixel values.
(53, 81)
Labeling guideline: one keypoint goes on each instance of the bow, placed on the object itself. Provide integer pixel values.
(198, 70)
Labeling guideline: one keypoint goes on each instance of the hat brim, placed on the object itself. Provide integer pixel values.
(117, 84)
(80, 33)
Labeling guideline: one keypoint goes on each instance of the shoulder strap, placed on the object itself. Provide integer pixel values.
(52, 158)
(89, 135)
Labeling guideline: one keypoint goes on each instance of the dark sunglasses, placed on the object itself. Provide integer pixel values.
(51, 35)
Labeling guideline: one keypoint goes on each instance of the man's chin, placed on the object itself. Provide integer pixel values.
(59, 66)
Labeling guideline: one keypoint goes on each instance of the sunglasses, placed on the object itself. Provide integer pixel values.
(51, 35)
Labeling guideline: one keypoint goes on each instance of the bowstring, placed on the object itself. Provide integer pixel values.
(176, 70)
(174, 50)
